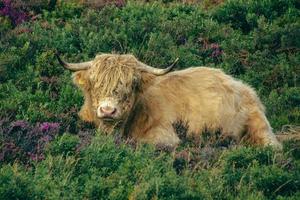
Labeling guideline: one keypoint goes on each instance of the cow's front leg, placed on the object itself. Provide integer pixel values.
(158, 136)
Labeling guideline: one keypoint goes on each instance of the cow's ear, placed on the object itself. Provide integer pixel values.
(80, 79)
(85, 112)
(146, 80)
(136, 82)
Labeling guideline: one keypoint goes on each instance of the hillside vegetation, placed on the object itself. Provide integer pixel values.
(46, 152)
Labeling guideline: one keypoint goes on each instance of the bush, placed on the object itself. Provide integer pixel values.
(265, 57)
(64, 145)
(256, 41)
(261, 169)
(15, 185)
(244, 14)
(23, 142)
(107, 169)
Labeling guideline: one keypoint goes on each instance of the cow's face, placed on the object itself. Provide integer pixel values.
(110, 84)
(116, 102)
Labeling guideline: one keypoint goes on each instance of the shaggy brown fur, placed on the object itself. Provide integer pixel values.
(110, 71)
(203, 98)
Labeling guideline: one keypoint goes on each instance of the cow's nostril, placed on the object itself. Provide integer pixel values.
(107, 110)
(114, 111)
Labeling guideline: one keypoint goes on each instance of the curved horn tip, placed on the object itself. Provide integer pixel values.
(176, 60)
(157, 71)
(63, 63)
(174, 63)
(169, 68)
(73, 66)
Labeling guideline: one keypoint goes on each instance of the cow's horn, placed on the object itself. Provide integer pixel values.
(157, 71)
(74, 66)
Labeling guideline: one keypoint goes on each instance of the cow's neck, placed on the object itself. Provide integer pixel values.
(138, 112)
(127, 127)
(138, 115)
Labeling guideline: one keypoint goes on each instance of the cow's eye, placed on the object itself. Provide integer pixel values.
(115, 92)
(135, 87)
(124, 98)
(135, 84)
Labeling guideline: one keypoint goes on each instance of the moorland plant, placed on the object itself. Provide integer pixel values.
(46, 152)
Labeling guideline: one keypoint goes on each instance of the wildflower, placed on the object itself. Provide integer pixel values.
(49, 126)
(46, 138)
(20, 123)
(17, 17)
(216, 50)
(36, 157)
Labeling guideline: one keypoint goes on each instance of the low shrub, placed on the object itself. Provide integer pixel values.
(15, 184)
(263, 170)
(46, 152)
(109, 170)
(24, 142)
(64, 145)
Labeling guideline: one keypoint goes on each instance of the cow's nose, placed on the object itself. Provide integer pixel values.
(107, 111)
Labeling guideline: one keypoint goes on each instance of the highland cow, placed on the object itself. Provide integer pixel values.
(142, 102)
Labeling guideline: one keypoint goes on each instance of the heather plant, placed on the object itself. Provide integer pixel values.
(46, 152)
(244, 14)
(106, 170)
(102, 3)
(15, 186)
(64, 145)
(5, 26)
(154, 40)
(16, 16)
(24, 142)
(262, 169)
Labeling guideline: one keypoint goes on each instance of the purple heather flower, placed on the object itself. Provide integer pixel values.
(46, 138)
(49, 126)
(17, 17)
(120, 3)
(9, 149)
(214, 46)
(1, 156)
(34, 157)
(44, 126)
(216, 50)
(20, 123)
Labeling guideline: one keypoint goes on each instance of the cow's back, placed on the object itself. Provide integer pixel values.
(204, 98)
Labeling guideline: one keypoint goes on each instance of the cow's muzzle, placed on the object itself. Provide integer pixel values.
(107, 112)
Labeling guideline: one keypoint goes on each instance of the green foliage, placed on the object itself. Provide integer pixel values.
(109, 170)
(265, 54)
(64, 145)
(5, 24)
(244, 14)
(293, 148)
(282, 106)
(256, 41)
(261, 169)
(15, 185)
